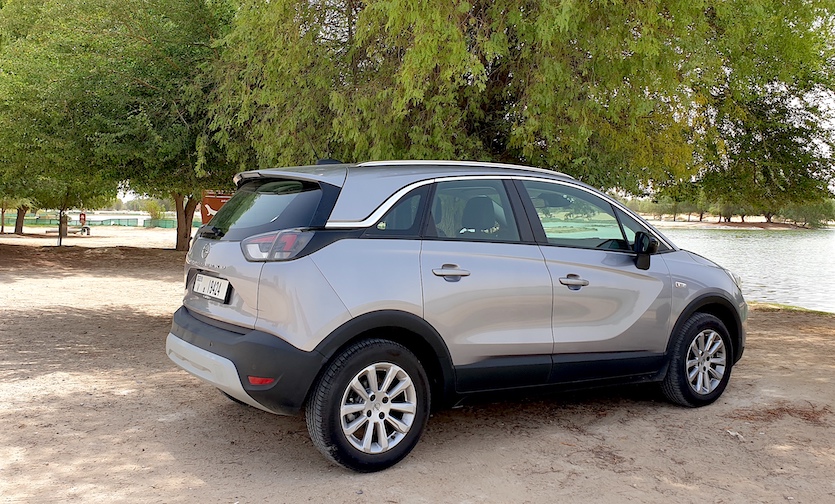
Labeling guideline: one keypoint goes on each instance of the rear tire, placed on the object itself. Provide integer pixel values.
(701, 359)
(370, 407)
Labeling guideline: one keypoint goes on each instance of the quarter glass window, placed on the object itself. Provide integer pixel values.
(404, 217)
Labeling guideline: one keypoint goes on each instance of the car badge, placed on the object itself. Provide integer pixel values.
(205, 252)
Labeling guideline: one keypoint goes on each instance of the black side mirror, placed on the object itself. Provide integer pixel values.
(645, 246)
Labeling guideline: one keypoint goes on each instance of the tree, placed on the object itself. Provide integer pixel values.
(813, 214)
(116, 90)
(595, 92)
(764, 140)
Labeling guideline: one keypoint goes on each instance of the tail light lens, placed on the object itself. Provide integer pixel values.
(276, 246)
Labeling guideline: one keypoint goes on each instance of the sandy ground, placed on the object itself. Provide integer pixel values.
(91, 410)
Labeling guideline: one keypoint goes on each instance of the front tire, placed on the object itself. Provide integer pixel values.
(370, 406)
(701, 359)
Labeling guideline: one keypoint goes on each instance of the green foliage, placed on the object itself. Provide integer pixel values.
(110, 88)
(154, 209)
(567, 86)
(700, 103)
(810, 214)
(616, 95)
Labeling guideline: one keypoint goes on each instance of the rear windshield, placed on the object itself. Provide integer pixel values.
(265, 205)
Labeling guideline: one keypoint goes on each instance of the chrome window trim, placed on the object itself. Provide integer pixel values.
(392, 200)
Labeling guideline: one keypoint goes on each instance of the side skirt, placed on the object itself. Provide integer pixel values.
(572, 371)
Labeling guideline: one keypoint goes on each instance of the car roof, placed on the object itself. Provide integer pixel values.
(337, 173)
(364, 186)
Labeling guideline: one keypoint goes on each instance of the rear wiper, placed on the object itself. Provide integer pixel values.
(208, 231)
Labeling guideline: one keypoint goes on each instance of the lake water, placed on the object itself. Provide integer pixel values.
(793, 267)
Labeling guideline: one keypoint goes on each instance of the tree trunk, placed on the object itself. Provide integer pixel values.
(18, 223)
(63, 221)
(185, 206)
(743, 218)
(768, 217)
(2, 220)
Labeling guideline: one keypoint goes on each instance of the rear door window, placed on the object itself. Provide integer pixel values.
(472, 210)
(265, 205)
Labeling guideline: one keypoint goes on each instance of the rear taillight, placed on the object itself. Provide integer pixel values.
(276, 246)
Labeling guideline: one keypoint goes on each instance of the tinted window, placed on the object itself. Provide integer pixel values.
(404, 217)
(266, 205)
(575, 218)
(472, 210)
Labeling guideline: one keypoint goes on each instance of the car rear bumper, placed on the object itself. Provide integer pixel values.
(226, 356)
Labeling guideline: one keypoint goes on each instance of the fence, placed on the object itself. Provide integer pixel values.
(148, 223)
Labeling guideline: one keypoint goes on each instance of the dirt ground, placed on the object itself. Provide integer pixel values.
(91, 410)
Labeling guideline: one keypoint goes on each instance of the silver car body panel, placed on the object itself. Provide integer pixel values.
(695, 277)
(501, 308)
(384, 274)
(225, 260)
(297, 303)
(621, 309)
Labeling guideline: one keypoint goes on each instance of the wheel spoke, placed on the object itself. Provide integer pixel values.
(405, 407)
(382, 438)
(404, 383)
(367, 438)
(371, 375)
(352, 427)
(691, 373)
(348, 409)
(397, 424)
(706, 382)
(390, 375)
(710, 338)
(715, 373)
(357, 387)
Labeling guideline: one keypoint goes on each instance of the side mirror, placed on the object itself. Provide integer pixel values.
(645, 246)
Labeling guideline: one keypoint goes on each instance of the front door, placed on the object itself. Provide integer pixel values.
(602, 302)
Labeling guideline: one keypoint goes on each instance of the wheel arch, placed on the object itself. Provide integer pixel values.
(721, 308)
(406, 329)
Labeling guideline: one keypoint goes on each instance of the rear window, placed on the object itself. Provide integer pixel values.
(265, 205)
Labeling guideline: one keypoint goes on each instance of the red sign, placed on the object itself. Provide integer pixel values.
(211, 203)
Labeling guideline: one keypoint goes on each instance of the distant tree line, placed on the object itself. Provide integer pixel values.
(812, 214)
(169, 97)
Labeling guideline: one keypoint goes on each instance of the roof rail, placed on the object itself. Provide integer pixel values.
(480, 164)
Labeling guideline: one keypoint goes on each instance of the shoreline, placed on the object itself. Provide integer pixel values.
(757, 224)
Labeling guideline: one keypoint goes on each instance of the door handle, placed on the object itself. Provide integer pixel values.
(573, 282)
(450, 272)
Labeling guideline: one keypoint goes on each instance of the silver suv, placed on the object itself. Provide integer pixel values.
(365, 293)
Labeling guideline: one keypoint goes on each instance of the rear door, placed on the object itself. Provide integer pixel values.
(604, 306)
(486, 288)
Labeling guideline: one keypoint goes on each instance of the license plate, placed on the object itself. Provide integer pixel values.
(211, 287)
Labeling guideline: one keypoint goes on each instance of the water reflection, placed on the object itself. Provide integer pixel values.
(795, 267)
